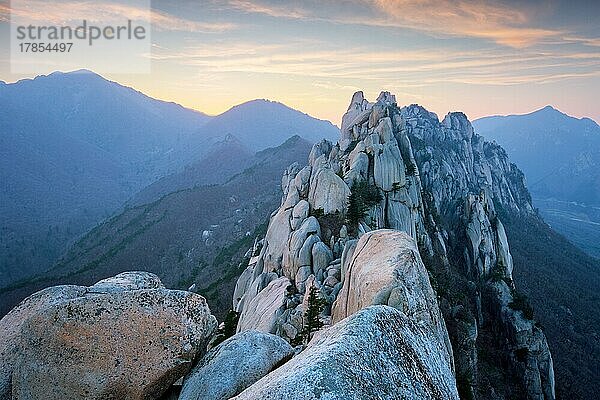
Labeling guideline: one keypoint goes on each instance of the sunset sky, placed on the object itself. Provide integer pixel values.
(479, 57)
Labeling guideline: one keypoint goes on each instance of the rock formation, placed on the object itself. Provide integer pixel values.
(386, 265)
(13, 322)
(125, 337)
(234, 365)
(386, 268)
(377, 353)
(443, 186)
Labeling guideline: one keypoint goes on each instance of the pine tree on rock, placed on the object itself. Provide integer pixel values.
(312, 321)
(362, 197)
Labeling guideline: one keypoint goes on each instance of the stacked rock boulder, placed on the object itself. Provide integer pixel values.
(437, 181)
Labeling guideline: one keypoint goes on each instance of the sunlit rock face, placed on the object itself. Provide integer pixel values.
(441, 185)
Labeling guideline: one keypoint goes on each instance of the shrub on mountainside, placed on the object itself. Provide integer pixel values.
(521, 303)
(312, 320)
(362, 197)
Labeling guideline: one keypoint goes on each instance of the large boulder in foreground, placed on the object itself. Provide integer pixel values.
(12, 323)
(386, 268)
(126, 337)
(234, 365)
(377, 353)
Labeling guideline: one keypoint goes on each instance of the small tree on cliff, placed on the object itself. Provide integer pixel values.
(315, 306)
(356, 208)
(228, 328)
(362, 197)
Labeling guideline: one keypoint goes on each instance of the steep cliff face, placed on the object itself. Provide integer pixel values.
(401, 169)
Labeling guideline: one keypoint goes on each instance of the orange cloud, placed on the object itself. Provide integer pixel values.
(4, 13)
(504, 25)
(343, 67)
(501, 24)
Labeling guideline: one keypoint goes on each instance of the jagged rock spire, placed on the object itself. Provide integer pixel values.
(436, 182)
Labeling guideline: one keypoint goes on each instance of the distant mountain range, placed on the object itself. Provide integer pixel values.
(193, 234)
(220, 161)
(74, 147)
(560, 156)
(259, 124)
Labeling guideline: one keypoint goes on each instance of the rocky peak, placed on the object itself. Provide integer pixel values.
(400, 170)
(386, 98)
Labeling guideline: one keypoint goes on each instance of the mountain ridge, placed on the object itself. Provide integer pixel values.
(546, 109)
(560, 156)
(404, 200)
(253, 123)
(136, 237)
(76, 147)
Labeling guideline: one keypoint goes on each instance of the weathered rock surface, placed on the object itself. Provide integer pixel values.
(527, 345)
(126, 338)
(386, 268)
(262, 311)
(377, 353)
(440, 183)
(234, 365)
(328, 191)
(12, 324)
(488, 256)
(276, 239)
(127, 281)
(298, 251)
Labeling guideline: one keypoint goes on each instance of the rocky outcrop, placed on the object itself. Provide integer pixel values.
(386, 268)
(125, 337)
(234, 365)
(526, 344)
(488, 256)
(262, 311)
(436, 181)
(327, 190)
(377, 353)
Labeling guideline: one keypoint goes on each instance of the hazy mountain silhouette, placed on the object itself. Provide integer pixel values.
(76, 146)
(259, 124)
(560, 156)
(196, 234)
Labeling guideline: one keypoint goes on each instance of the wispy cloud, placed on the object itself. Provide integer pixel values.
(340, 68)
(280, 10)
(595, 42)
(501, 24)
